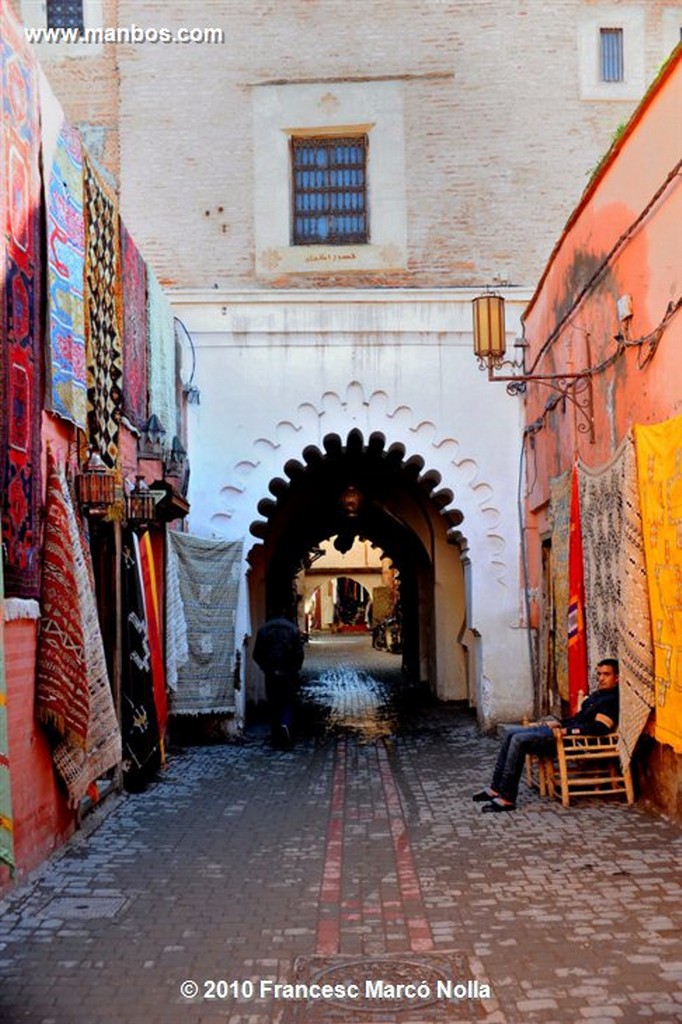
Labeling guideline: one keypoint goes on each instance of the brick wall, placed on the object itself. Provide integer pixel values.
(499, 143)
(87, 88)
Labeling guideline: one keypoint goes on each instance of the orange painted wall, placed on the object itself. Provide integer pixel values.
(647, 266)
(628, 223)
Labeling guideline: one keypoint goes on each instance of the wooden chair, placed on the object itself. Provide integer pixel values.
(540, 774)
(589, 766)
(539, 770)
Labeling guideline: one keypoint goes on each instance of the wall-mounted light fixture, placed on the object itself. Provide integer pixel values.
(490, 346)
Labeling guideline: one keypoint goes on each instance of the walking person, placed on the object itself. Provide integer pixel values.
(598, 714)
(278, 651)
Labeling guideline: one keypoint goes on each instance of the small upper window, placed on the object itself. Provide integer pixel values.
(65, 14)
(329, 193)
(611, 54)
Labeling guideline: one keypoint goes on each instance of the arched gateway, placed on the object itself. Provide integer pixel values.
(306, 393)
(356, 487)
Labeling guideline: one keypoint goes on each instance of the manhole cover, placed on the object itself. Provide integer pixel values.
(403, 988)
(84, 906)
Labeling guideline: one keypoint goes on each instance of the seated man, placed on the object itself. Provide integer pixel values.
(598, 715)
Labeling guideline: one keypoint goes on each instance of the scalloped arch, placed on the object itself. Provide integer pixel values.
(454, 477)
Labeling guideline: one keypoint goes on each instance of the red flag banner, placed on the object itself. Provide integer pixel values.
(577, 637)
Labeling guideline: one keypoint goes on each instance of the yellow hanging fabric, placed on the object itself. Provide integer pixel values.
(659, 472)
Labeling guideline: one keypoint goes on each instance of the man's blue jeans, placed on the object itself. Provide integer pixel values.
(519, 741)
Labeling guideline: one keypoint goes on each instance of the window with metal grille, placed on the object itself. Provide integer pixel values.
(611, 54)
(65, 14)
(329, 201)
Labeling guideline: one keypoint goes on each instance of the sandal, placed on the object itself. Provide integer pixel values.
(496, 805)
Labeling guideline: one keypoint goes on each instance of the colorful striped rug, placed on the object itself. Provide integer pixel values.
(66, 392)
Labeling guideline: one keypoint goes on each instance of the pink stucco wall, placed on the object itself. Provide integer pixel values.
(624, 238)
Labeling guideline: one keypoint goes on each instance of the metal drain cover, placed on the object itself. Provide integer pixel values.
(84, 907)
(405, 988)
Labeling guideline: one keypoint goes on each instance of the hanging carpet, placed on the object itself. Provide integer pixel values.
(209, 573)
(6, 823)
(73, 695)
(560, 506)
(577, 638)
(601, 518)
(139, 725)
(66, 391)
(103, 329)
(161, 355)
(635, 648)
(616, 594)
(150, 590)
(177, 649)
(135, 370)
(20, 315)
(659, 472)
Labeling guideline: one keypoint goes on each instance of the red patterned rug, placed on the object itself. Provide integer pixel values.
(20, 363)
(73, 695)
(135, 373)
(61, 690)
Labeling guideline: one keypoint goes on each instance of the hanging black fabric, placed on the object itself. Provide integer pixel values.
(141, 747)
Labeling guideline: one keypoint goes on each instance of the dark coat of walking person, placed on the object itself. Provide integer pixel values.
(278, 651)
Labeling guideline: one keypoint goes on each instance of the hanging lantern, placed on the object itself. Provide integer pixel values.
(352, 500)
(489, 330)
(96, 484)
(140, 502)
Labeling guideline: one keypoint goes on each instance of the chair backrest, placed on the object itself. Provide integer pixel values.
(591, 766)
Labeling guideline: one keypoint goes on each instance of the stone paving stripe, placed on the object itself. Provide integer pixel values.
(421, 939)
(328, 925)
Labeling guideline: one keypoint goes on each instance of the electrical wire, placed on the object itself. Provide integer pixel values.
(652, 340)
(587, 288)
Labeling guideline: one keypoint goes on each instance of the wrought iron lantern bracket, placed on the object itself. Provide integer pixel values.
(575, 388)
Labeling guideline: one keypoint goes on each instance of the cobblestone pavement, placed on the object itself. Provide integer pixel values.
(355, 859)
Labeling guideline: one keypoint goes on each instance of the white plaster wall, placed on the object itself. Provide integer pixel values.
(279, 372)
